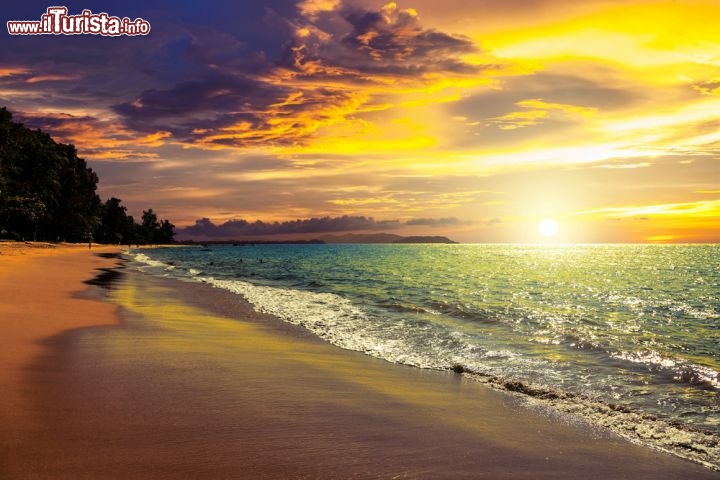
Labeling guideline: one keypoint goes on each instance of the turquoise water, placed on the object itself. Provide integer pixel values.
(631, 325)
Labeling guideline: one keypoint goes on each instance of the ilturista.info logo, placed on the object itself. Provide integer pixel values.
(56, 21)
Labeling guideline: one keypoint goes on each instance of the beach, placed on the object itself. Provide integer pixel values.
(38, 287)
(146, 377)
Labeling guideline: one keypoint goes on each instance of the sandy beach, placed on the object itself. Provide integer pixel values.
(155, 378)
(38, 287)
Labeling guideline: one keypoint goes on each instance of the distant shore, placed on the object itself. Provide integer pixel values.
(386, 238)
(166, 379)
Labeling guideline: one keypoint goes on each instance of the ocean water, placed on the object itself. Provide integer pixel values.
(627, 336)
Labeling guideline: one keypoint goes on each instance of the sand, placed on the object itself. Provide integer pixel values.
(179, 380)
(37, 287)
(37, 284)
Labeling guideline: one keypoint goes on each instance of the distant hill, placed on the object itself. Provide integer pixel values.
(424, 239)
(381, 238)
(344, 238)
(361, 238)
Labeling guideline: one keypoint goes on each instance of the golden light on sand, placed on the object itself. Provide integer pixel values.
(548, 227)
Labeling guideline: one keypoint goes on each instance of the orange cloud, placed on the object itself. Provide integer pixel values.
(99, 139)
(51, 78)
(12, 71)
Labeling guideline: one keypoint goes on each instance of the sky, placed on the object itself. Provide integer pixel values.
(470, 119)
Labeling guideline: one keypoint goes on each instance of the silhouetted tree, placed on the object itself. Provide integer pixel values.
(115, 227)
(149, 226)
(154, 231)
(167, 232)
(48, 193)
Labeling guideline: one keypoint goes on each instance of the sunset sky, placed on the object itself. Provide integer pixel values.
(470, 119)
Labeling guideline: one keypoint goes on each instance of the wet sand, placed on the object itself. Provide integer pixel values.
(191, 383)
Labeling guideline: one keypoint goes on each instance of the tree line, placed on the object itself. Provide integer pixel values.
(48, 193)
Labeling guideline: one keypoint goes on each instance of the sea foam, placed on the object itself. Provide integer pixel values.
(562, 328)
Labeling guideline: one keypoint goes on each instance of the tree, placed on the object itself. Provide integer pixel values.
(167, 232)
(149, 226)
(115, 227)
(154, 231)
(21, 216)
(46, 191)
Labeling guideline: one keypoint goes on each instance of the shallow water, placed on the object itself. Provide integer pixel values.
(193, 384)
(634, 325)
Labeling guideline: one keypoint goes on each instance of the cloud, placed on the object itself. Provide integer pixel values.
(699, 209)
(340, 66)
(364, 46)
(710, 87)
(393, 39)
(623, 165)
(13, 71)
(52, 78)
(535, 111)
(216, 102)
(97, 139)
(205, 228)
(435, 222)
(311, 8)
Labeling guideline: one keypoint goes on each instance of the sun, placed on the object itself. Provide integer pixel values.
(548, 227)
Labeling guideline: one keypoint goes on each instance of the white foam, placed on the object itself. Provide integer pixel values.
(336, 320)
(684, 371)
(142, 258)
(405, 337)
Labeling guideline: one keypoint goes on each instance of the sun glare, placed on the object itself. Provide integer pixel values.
(548, 227)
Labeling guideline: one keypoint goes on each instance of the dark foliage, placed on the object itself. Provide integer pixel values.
(153, 231)
(48, 193)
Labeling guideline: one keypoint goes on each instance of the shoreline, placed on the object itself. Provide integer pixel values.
(182, 380)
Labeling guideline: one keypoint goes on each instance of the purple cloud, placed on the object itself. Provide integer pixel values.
(205, 228)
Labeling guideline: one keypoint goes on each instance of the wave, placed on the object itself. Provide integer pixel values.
(150, 265)
(341, 323)
(691, 443)
(411, 337)
(144, 259)
(405, 340)
(677, 370)
(338, 321)
(681, 371)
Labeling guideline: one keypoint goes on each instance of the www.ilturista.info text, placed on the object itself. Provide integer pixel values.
(56, 21)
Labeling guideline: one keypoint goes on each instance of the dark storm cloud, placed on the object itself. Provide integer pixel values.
(187, 48)
(52, 122)
(394, 38)
(237, 74)
(206, 103)
(236, 110)
(362, 45)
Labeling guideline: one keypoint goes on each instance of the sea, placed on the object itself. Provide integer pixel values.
(625, 336)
